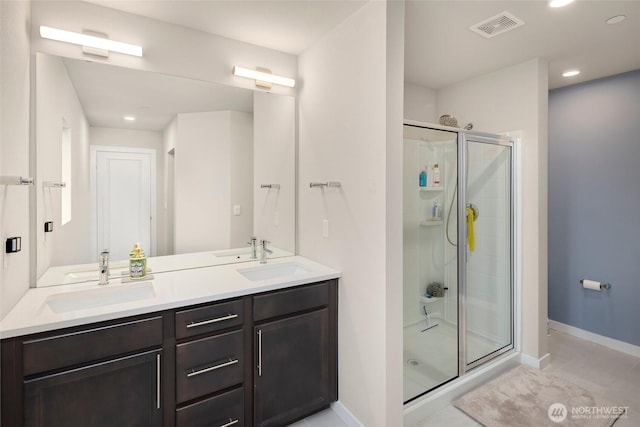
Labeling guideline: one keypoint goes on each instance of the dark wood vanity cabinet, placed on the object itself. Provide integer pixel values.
(264, 360)
(119, 392)
(104, 375)
(295, 353)
(210, 365)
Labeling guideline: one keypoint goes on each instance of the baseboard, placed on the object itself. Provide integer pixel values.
(613, 344)
(345, 415)
(531, 361)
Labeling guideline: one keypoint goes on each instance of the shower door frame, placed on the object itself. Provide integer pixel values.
(464, 137)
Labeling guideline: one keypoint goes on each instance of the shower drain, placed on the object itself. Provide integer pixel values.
(413, 362)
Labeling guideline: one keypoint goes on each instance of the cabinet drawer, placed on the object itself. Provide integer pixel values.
(211, 318)
(290, 301)
(225, 410)
(210, 364)
(59, 351)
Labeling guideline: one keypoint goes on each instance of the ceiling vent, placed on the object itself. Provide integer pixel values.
(501, 23)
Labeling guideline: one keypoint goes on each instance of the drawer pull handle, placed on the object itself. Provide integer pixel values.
(208, 322)
(158, 380)
(230, 423)
(259, 352)
(193, 373)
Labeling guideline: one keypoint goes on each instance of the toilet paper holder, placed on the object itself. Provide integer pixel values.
(602, 285)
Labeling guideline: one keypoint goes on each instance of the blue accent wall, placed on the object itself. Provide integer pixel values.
(594, 205)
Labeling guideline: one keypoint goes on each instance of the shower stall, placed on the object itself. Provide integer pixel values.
(458, 263)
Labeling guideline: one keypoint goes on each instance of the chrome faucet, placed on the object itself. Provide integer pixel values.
(103, 267)
(265, 251)
(254, 247)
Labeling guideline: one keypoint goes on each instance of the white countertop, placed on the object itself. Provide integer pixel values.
(67, 274)
(34, 312)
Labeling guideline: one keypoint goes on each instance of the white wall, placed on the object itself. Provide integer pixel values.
(14, 148)
(57, 106)
(274, 162)
(202, 183)
(169, 144)
(343, 137)
(167, 48)
(395, 33)
(521, 106)
(420, 103)
(132, 138)
(241, 191)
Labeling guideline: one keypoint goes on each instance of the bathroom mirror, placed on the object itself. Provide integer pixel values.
(189, 169)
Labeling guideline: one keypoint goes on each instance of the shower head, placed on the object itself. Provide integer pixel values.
(469, 126)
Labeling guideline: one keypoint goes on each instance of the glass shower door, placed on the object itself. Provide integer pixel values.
(430, 263)
(488, 273)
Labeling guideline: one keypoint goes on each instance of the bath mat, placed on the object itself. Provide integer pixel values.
(526, 397)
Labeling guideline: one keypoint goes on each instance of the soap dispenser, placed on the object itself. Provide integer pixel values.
(137, 262)
(436, 175)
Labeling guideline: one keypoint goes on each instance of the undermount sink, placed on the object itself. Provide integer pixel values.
(272, 271)
(100, 297)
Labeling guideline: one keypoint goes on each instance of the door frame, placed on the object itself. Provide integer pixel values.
(93, 156)
(464, 138)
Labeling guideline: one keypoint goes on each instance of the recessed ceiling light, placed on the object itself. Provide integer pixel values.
(570, 73)
(129, 118)
(616, 19)
(559, 3)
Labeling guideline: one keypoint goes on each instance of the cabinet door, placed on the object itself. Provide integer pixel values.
(119, 392)
(292, 375)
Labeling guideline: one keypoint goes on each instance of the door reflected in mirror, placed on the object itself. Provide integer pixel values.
(181, 166)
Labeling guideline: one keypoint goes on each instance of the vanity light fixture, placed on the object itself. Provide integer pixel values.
(559, 3)
(261, 76)
(570, 73)
(89, 41)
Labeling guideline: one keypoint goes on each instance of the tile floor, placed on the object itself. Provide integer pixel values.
(326, 418)
(599, 369)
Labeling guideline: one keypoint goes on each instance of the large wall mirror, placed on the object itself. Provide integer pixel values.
(189, 169)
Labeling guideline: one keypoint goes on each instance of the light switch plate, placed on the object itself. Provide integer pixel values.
(236, 210)
(13, 245)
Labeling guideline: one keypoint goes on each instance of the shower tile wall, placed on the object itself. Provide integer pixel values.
(488, 265)
(412, 260)
(424, 256)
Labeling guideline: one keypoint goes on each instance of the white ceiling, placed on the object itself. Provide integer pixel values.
(108, 93)
(439, 50)
(288, 26)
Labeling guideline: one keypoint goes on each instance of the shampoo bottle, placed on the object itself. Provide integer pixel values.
(423, 179)
(137, 262)
(435, 210)
(436, 175)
